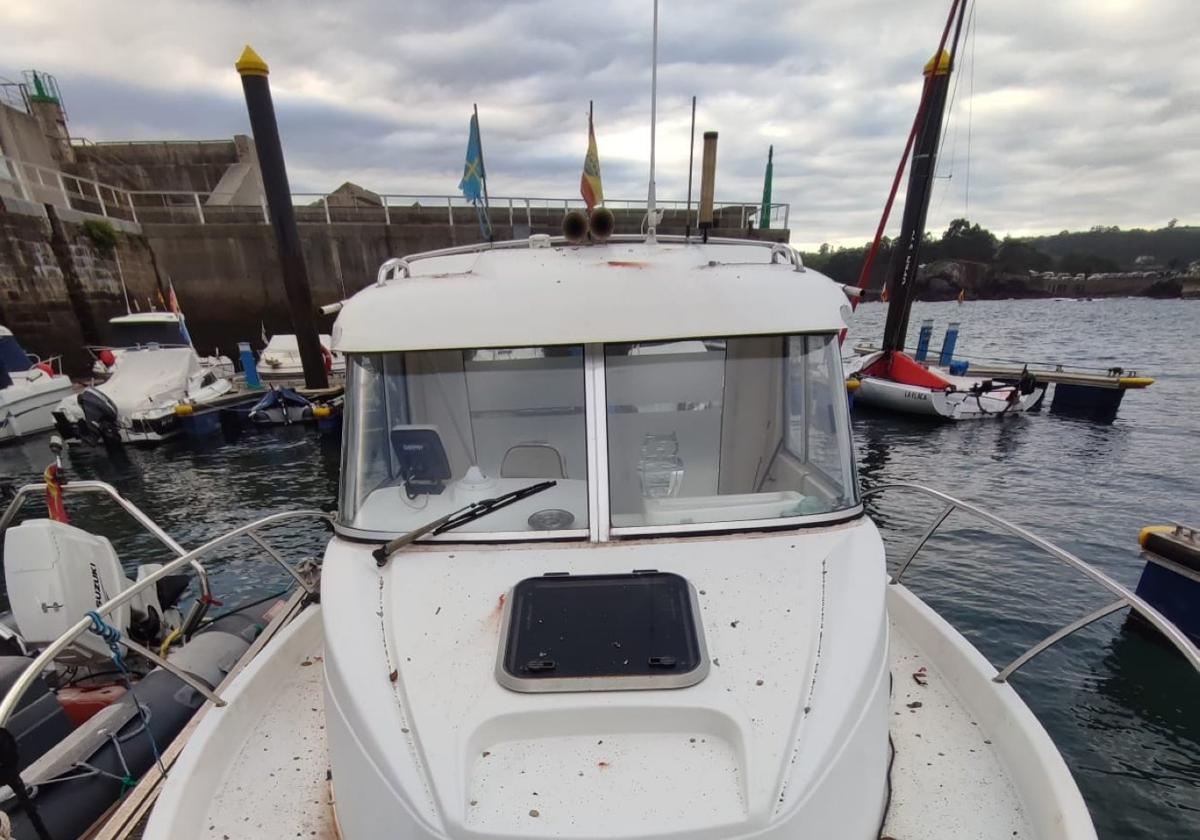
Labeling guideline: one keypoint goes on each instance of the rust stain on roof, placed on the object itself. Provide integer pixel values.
(627, 264)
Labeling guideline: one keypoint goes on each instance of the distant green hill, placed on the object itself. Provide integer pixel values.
(1101, 249)
(1169, 246)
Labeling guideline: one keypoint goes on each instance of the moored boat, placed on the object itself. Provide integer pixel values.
(617, 584)
(143, 400)
(145, 329)
(29, 390)
(280, 362)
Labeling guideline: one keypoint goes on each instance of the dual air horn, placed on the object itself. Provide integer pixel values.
(577, 226)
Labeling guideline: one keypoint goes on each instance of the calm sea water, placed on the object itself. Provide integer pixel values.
(1124, 710)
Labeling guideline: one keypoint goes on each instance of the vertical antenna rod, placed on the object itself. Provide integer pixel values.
(687, 226)
(650, 225)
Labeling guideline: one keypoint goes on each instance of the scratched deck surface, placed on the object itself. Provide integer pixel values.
(278, 784)
(947, 782)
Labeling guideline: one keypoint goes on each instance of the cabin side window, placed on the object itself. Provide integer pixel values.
(730, 429)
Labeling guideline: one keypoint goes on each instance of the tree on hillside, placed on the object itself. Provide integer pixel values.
(1016, 256)
(1085, 264)
(965, 241)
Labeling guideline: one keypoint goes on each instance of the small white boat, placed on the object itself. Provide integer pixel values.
(280, 360)
(144, 329)
(604, 591)
(29, 390)
(910, 387)
(143, 398)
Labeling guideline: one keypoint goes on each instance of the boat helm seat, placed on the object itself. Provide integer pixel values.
(533, 460)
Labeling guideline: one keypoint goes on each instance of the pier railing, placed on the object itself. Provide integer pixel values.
(12, 699)
(41, 184)
(44, 185)
(1124, 597)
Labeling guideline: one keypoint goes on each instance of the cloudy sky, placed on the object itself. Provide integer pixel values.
(1074, 112)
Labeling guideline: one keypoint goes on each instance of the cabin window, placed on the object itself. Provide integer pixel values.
(430, 432)
(730, 429)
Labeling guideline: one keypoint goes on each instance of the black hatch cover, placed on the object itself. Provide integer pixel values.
(596, 632)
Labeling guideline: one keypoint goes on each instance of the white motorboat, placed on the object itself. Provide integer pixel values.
(896, 382)
(621, 585)
(280, 360)
(143, 399)
(145, 329)
(29, 390)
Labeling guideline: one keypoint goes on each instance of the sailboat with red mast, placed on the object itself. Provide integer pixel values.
(887, 377)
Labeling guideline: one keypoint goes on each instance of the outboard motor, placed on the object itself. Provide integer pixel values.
(100, 414)
(55, 574)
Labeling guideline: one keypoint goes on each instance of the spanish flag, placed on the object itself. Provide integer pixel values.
(54, 494)
(589, 185)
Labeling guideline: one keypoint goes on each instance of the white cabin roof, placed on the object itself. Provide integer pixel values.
(146, 318)
(5, 332)
(515, 295)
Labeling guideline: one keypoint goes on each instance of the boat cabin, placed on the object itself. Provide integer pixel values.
(139, 329)
(658, 601)
(666, 389)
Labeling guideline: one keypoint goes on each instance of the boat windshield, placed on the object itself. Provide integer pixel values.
(140, 334)
(698, 433)
(727, 429)
(429, 432)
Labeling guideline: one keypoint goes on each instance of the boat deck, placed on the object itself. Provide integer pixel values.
(278, 783)
(948, 779)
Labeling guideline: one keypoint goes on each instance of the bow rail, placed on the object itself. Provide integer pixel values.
(1125, 598)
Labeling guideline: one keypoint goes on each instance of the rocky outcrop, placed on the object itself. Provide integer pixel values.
(943, 280)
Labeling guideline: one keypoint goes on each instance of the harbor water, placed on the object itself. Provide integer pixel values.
(1124, 709)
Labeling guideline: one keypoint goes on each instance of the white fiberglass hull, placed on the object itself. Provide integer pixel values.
(949, 405)
(26, 406)
(971, 760)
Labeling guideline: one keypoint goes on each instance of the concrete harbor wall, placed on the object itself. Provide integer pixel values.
(58, 287)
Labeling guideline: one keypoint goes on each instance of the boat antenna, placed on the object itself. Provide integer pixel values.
(687, 226)
(650, 211)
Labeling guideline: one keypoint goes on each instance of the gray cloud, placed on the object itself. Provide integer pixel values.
(1075, 113)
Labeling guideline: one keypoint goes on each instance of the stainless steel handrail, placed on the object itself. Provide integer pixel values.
(1125, 598)
(388, 270)
(9, 704)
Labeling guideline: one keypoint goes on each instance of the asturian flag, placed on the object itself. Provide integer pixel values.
(473, 174)
(589, 184)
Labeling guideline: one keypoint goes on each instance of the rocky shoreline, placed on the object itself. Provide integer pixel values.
(945, 279)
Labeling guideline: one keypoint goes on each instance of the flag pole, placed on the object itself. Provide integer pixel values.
(687, 227)
(591, 131)
(487, 206)
(650, 207)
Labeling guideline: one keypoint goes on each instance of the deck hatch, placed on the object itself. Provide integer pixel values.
(639, 630)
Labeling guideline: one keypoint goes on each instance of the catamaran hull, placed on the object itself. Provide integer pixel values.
(947, 405)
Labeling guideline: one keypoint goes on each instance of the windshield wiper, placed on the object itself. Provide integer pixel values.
(458, 518)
